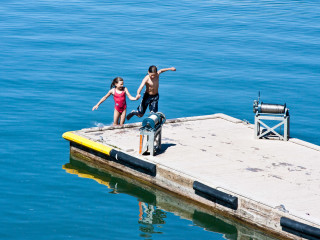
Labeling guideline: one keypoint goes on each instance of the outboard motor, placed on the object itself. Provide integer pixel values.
(273, 112)
(150, 133)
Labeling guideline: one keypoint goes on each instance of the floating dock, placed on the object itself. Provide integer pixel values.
(215, 161)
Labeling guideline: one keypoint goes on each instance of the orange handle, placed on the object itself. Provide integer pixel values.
(140, 147)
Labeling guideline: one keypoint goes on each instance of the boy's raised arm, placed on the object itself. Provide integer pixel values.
(166, 69)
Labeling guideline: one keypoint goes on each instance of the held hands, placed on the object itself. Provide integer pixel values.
(173, 69)
(138, 96)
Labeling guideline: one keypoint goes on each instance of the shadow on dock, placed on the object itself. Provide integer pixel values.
(164, 147)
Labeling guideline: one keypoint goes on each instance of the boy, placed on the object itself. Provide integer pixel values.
(151, 95)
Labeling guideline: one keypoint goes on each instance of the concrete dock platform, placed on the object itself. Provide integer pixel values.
(214, 160)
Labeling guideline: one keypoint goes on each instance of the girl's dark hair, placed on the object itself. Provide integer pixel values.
(115, 81)
(153, 69)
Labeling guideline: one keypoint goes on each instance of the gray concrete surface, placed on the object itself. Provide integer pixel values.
(221, 152)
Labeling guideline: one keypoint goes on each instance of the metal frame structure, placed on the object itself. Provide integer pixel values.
(150, 140)
(284, 120)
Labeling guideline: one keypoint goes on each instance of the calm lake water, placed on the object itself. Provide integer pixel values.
(57, 60)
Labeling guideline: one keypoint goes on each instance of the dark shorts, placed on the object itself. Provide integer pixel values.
(149, 100)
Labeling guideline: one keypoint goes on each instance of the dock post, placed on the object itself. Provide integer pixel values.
(256, 127)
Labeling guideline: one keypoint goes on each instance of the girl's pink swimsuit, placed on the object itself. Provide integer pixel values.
(120, 101)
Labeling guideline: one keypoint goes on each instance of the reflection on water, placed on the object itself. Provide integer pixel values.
(148, 214)
(214, 224)
(154, 205)
(149, 217)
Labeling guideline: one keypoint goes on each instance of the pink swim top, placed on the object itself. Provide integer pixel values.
(120, 101)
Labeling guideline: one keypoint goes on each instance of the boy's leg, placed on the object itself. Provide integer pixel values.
(143, 105)
(153, 106)
(131, 114)
(116, 116)
(141, 109)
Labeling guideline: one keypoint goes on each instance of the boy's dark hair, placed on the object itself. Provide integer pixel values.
(115, 81)
(153, 69)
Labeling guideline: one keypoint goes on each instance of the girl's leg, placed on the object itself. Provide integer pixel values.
(116, 117)
(123, 117)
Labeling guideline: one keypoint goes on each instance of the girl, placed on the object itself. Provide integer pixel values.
(119, 93)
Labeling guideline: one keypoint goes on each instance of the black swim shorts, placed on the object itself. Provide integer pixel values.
(151, 100)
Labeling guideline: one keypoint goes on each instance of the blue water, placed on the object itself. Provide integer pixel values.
(58, 57)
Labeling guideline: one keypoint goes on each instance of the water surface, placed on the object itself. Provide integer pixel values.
(57, 60)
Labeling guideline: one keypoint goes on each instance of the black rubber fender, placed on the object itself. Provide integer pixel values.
(215, 195)
(299, 229)
(134, 163)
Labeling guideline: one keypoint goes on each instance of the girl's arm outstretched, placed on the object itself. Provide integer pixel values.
(166, 69)
(103, 99)
(129, 95)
